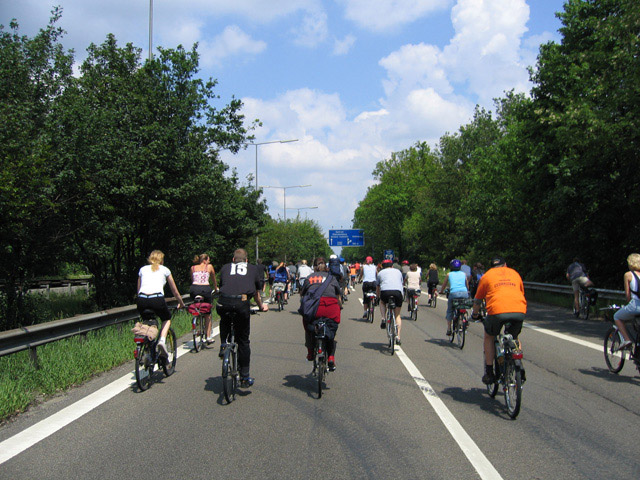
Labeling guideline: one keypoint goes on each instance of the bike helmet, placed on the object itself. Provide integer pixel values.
(386, 262)
(369, 259)
(455, 264)
(405, 262)
(341, 259)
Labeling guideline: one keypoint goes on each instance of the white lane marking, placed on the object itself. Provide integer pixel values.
(478, 460)
(41, 430)
(563, 336)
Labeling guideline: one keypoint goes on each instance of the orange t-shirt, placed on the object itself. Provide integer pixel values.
(503, 290)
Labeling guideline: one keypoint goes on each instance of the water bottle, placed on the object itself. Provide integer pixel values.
(499, 353)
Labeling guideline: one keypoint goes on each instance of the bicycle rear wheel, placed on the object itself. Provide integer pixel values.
(391, 333)
(454, 327)
(461, 331)
(370, 312)
(512, 388)
(414, 309)
(169, 363)
(613, 356)
(144, 367)
(492, 388)
(434, 298)
(198, 334)
(229, 373)
(321, 366)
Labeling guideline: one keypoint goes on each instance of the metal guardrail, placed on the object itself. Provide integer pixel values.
(568, 289)
(29, 338)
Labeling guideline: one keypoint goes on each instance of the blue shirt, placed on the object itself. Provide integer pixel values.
(457, 282)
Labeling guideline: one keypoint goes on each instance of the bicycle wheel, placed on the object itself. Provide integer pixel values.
(390, 332)
(144, 367)
(370, 312)
(198, 334)
(229, 374)
(492, 388)
(434, 298)
(512, 388)
(454, 327)
(613, 357)
(321, 365)
(461, 330)
(169, 364)
(584, 307)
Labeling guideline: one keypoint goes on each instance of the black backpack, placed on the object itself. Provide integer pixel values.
(310, 302)
(335, 268)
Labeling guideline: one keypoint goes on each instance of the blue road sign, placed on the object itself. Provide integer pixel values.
(346, 238)
(388, 254)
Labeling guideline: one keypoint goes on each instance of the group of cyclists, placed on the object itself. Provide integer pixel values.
(501, 289)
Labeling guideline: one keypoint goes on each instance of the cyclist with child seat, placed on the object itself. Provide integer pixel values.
(368, 275)
(151, 281)
(329, 309)
(632, 293)
(389, 284)
(458, 284)
(239, 282)
(412, 282)
(281, 279)
(201, 273)
(503, 291)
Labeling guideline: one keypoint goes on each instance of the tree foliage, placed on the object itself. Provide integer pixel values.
(292, 240)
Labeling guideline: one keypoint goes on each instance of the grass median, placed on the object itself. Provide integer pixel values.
(66, 363)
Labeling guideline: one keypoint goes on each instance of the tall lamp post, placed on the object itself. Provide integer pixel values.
(284, 191)
(301, 208)
(256, 145)
(150, 29)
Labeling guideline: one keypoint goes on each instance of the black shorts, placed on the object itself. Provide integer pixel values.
(157, 304)
(203, 290)
(431, 286)
(493, 324)
(396, 294)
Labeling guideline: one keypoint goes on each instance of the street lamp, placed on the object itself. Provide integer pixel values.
(284, 191)
(256, 145)
(150, 29)
(301, 208)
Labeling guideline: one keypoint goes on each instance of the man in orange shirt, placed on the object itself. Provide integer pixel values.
(503, 290)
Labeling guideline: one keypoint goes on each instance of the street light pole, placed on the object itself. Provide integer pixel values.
(284, 191)
(256, 145)
(150, 29)
(301, 208)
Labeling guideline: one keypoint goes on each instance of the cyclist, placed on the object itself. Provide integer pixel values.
(412, 282)
(239, 282)
(405, 268)
(476, 274)
(458, 284)
(151, 281)
(329, 308)
(389, 284)
(577, 275)
(433, 279)
(271, 275)
(264, 274)
(344, 282)
(632, 292)
(201, 273)
(503, 291)
(293, 273)
(368, 275)
(465, 268)
(303, 272)
(281, 279)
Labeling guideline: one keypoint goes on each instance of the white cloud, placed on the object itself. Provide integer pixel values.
(313, 29)
(232, 41)
(381, 15)
(342, 47)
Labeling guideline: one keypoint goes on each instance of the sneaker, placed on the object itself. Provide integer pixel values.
(398, 342)
(448, 332)
(309, 354)
(162, 349)
(331, 362)
(626, 344)
(221, 352)
(488, 378)
(210, 340)
(429, 302)
(364, 315)
(246, 382)
(382, 325)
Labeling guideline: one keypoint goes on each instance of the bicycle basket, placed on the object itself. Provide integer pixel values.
(278, 287)
(462, 303)
(199, 308)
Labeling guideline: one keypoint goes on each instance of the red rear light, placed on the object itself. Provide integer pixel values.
(138, 339)
(135, 353)
(516, 355)
(463, 310)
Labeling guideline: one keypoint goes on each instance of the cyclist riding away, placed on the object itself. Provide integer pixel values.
(458, 284)
(239, 282)
(369, 273)
(577, 275)
(433, 279)
(151, 281)
(281, 279)
(412, 281)
(503, 291)
(202, 272)
(632, 292)
(389, 284)
(329, 309)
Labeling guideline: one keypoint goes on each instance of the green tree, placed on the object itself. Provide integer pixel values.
(294, 240)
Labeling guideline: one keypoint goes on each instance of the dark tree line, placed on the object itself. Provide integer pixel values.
(547, 177)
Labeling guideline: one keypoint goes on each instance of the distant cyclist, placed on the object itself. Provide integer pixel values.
(632, 292)
(412, 282)
(281, 280)
(502, 289)
(433, 279)
(304, 271)
(202, 273)
(458, 284)
(577, 275)
(368, 274)
(390, 285)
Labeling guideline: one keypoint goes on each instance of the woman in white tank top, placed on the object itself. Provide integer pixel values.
(632, 292)
(202, 272)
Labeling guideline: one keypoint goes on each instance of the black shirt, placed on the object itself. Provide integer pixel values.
(240, 279)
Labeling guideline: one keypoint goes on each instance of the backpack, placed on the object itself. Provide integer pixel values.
(335, 268)
(310, 302)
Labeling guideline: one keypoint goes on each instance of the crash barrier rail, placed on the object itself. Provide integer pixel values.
(29, 338)
(45, 285)
(568, 289)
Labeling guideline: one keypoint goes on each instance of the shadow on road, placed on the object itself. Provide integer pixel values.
(214, 384)
(611, 377)
(382, 347)
(480, 397)
(304, 383)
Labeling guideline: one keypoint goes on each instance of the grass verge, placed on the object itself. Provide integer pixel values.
(67, 363)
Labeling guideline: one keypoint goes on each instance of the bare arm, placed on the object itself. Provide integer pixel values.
(627, 285)
(174, 290)
(262, 306)
(212, 272)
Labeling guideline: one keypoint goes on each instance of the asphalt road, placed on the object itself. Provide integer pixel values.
(422, 413)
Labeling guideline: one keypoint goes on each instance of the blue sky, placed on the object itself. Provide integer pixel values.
(351, 80)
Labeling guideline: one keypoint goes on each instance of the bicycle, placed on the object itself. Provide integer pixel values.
(614, 357)
(433, 296)
(278, 295)
(392, 327)
(147, 356)
(320, 358)
(371, 297)
(412, 296)
(230, 372)
(199, 310)
(509, 372)
(586, 298)
(460, 321)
